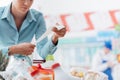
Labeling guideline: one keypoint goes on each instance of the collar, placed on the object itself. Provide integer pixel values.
(30, 16)
(6, 14)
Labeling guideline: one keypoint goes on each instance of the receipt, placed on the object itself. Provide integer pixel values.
(48, 31)
(60, 27)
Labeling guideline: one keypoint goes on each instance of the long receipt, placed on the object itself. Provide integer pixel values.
(49, 30)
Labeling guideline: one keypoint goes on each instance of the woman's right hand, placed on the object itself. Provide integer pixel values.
(22, 48)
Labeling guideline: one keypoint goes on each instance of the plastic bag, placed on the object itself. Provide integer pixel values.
(17, 71)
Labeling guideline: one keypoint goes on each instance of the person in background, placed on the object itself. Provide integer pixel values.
(18, 25)
(104, 60)
(116, 69)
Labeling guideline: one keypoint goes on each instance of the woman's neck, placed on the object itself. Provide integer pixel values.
(16, 14)
(18, 17)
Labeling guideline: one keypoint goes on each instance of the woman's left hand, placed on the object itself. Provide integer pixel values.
(58, 33)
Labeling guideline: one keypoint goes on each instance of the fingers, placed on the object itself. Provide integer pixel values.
(23, 48)
(54, 29)
(30, 49)
(32, 46)
(61, 32)
(27, 51)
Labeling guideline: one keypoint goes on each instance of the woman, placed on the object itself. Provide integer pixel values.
(18, 25)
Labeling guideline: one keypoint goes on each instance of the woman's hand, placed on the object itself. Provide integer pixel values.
(58, 34)
(23, 49)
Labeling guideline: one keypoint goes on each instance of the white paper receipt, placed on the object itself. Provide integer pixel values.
(49, 30)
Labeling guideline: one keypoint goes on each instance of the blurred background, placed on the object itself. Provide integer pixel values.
(89, 23)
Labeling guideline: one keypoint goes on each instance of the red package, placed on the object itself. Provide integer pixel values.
(39, 73)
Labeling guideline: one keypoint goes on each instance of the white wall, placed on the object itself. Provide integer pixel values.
(4, 2)
(75, 6)
(72, 6)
